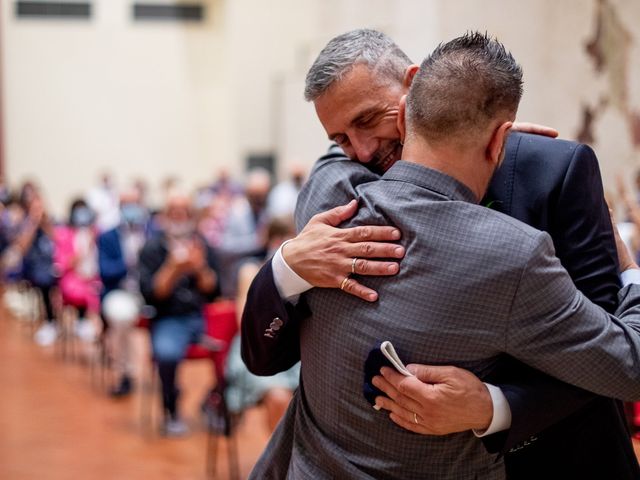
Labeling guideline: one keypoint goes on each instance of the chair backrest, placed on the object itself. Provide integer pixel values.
(221, 324)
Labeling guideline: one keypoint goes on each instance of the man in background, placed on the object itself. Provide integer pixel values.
(178, 276)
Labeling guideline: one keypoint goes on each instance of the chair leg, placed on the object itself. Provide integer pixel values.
(148, 391)
(99, 365)
(63, 334)
(212, 453)
(232, 450)
(214, 436)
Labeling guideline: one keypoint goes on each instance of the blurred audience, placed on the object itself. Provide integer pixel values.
(115, 259)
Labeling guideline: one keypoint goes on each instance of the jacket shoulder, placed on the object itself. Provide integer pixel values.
(554, 152)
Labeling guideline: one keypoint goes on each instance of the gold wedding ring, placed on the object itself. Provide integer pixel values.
(415, 417)
(344, 282)
(353, 265)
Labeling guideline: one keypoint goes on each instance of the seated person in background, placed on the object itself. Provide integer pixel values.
(76, 259)
(178, 276)
(244, 389)
(11, 223)
(282, 198)
(118, 251)
(244, 230)
(35, 242)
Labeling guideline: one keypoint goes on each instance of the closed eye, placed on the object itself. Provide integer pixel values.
(341, 139)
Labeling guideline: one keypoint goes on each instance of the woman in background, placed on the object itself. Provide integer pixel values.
(76, 259)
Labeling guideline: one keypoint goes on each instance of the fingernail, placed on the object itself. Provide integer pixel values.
(377, 407)
(395, 234)
(372, 297)
(399, 251)
(392, 268)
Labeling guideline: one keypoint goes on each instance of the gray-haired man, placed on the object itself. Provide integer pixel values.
(368, 96)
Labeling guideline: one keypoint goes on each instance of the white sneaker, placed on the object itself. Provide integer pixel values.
(174, 427)
(46, 334)
(85, 330)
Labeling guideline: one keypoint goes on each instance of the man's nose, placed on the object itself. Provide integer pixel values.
(364, 148)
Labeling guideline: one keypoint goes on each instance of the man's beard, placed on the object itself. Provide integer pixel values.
(384, 159)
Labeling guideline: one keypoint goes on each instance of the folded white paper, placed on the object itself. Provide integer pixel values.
(388, 351)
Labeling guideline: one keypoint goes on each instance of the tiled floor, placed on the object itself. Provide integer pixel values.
(54, 424)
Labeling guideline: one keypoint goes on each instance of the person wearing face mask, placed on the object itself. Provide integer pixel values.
(76, 259)
(178, 276)
(118, 250)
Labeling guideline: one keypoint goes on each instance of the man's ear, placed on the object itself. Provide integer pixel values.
(497, 142)
(402, 124)
(409, 73)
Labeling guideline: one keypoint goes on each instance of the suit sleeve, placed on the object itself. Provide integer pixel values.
(582, 233)
(270, 327)
(557, 330)
(579, 224)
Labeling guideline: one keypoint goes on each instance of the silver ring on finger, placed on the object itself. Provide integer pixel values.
(353, 265)
(344, 283)
(415, 418)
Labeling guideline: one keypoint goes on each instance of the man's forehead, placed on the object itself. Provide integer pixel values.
(360, 77)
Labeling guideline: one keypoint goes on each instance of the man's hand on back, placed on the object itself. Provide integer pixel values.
(323, 254)
(444, 399)
(528, 127)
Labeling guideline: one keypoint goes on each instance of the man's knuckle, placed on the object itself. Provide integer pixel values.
(365, 232)
(366, 249)
(362, 267)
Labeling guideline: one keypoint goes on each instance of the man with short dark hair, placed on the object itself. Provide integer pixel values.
(552, 185)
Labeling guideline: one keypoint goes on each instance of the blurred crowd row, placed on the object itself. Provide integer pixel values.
(115, 260)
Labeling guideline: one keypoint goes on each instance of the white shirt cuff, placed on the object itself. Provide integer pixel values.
(629, 276)
(501, 413)
(289, 284)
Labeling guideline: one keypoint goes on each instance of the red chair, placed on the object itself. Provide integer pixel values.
(222, 327)
(635, 420)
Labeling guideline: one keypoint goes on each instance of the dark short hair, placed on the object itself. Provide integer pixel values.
(461, 87)
(342, 53)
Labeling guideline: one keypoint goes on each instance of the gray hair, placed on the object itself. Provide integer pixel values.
(342, 53)
(461, 87)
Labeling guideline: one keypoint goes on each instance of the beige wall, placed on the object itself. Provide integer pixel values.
(139, 100)
(158, 99)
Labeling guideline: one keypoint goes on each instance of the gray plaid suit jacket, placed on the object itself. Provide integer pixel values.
(474, 285)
